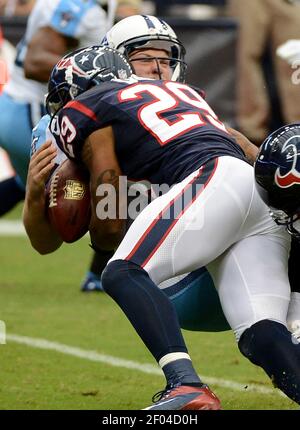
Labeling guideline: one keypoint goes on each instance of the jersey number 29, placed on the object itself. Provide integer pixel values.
(150, 115)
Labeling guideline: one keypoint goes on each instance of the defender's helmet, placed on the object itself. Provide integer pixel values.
(277, 175)
(145, 31)
(82, 69)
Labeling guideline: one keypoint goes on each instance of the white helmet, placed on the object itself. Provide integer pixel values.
(145, 31)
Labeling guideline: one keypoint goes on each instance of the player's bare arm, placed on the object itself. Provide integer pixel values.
(99, 156)
(42, 236)
(44, 51)
(248, 147)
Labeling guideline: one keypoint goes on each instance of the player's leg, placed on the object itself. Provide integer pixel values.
(252, 282)
(92, 280)
(168, 238)
(149, 310)
(158, 242)
(196, 301)
(10, 185)
(154, 318)
(16, 122)
(194, 295)
(293, 317)
(12, 192)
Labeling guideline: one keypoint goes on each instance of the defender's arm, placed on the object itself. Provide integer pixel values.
(248, 147)
(42, 236)
(99, 156)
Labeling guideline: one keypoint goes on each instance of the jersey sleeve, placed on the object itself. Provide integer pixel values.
(79, 119)
(76, 124)
(40, 134)
(73, 18)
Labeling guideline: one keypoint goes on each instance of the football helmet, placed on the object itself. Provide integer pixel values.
(146, 31)
(277, 176)
(82, 69)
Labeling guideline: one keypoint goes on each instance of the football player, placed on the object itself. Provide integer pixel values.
(277, 178)
(151, 46)
(154, 51)
(133, 35)
(221, 223)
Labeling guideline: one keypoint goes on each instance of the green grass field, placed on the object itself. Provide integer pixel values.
(40, 299)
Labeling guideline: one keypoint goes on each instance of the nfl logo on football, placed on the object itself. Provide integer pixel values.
(74, 190)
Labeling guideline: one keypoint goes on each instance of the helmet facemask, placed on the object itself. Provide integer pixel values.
(290, 221)
(175, 56)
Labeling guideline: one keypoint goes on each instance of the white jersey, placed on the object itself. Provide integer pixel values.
(83, 20)
(41, 133)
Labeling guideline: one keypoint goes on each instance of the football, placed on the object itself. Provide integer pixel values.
(68, 201)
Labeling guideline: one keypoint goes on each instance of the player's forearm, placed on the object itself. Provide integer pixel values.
(248, 147)
(39, 65)
(42, 236)
(106, 227)
(44, 50)
(106, 235)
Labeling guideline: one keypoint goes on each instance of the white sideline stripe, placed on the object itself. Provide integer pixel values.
(12, 228)
(128, 364)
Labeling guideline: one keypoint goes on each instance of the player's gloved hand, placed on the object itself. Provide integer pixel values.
(290, 51)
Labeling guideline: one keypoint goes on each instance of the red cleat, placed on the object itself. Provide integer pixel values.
(185, 397)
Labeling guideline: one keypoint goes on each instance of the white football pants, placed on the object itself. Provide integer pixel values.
(215, 218)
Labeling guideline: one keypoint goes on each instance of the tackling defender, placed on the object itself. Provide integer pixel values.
(151, 46)
(154, 248)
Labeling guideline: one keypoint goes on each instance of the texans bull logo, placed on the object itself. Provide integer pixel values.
(66, 63)
(292, 177)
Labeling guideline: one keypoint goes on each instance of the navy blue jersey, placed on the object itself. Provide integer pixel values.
(163, 130)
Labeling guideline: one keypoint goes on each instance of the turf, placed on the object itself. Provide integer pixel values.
(40, 298)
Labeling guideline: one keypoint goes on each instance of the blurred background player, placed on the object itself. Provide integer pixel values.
(16, 7)
(266, 96)
(7, 54)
